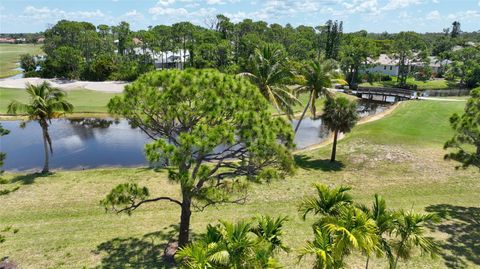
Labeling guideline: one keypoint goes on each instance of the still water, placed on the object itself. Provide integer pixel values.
(91, 143)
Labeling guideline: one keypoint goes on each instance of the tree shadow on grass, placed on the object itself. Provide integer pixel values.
(308, 163)
(462, 224)
(138, 252)
(29, 178)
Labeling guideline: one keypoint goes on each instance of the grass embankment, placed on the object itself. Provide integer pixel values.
(90, 103)
(400, 157)
(86, 102)
(437, 84)
(10, 56)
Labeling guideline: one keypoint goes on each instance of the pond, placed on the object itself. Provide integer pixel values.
(92, 143)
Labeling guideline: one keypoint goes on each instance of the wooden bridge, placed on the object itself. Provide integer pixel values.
(390, 95)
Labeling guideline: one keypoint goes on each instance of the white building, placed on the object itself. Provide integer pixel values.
(389, 66)
(166, 59)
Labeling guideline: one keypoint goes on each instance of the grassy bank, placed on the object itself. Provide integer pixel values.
(10, 56)
(94, 103)
(437, 84)
(84, 101)
(400, 156)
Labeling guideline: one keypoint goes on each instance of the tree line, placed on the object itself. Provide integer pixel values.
(81, 50)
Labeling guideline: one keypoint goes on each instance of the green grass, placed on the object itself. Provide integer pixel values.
(10, 56)
(83, 100)
(421, 85)
(400, 157)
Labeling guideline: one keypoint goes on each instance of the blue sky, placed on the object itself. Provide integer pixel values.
(371, 15)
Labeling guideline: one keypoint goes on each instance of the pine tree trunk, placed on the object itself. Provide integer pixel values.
(45, 145)
(183, 237)
(368, 259)
(334, 148)
(304, 111)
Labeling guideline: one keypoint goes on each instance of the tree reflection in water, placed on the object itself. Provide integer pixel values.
(85, 127)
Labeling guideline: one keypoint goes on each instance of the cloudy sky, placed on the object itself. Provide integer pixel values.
(371, 15)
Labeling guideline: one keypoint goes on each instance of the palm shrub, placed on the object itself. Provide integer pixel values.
(409, 230)
(327, 202)
(46, 103)
(245, 244)
(384, 220)
(269, 71)
(339, 115)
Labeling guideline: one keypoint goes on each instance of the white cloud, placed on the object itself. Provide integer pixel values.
(165, 2)
(44, 13)
(435, 1)
(215, 2)
(433, 15)
(469, 15)
(396, 4)
(167, 11)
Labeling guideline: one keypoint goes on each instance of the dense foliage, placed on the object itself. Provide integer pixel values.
(214, 131)
(466, 140)
(79, 50)
(246, 244)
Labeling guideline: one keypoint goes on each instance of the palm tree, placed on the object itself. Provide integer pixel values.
(240, 245)
(409, 228)
(384, 220)
(327, 202)
(269, 71)
(46, 103)
(339, 115)
(317, 76)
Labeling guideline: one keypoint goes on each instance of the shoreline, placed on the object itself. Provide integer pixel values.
(367, 119)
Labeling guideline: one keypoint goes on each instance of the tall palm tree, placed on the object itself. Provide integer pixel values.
(339, 115)
(409, 228)
(240, 245)
(269, 71)
(327, 202)
(384, 220)
(318, 75)
(46, 103)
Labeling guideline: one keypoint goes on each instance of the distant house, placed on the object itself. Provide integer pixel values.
(383, 65)
(41, 40)
(389, 66)
(165, 59)
(7, 40)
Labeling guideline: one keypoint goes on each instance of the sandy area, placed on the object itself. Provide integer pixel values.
(102, 86)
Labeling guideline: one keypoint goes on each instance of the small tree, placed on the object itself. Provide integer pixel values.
(215, 130)
(46, 103)
(467, 132)
(27, 63)
(339, 115)
(246, 244)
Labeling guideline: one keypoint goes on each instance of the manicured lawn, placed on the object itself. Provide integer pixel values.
(400, 157)
(83, 100)
(10, 56)
(422, 85)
